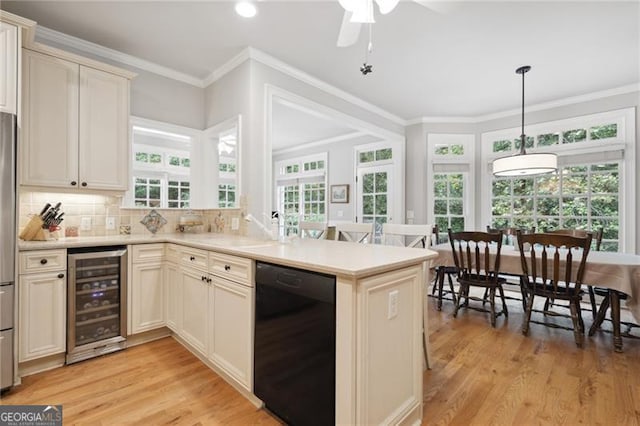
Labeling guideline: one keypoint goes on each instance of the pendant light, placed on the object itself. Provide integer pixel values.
(523, 164)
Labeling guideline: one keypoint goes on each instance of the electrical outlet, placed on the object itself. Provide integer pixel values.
(85, 223)
(393, 304)
(110, 223)
(235, 223)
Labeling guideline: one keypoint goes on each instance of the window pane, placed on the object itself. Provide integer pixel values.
(548, 139)
(548, 206)
(383, 154)
(457, 149)
(455, 186)
(155, 158)
(381, 204)
(502, 146)
(442, 150)
(571, 136)
(381, 182)
(174, 161)
(367, 183)
(366, 157)
(367, 204)
(501, 187)
(455, 207)
(603, 132)
(457, 224)
(439, 187)
(142, 157)
(440, 207)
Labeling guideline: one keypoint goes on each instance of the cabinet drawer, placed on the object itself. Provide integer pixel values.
(234, 268)
(42, 261)
(147, 252)
(194, 258)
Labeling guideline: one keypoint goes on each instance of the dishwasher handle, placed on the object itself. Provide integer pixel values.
(313, 285)
(289, 279)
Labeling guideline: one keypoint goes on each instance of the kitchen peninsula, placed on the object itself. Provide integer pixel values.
(379, 357)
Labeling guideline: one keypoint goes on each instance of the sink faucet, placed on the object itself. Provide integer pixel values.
(270, 233)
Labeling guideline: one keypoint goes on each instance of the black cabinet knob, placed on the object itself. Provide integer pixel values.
(43, 261)
(192, 258)
(74, 183)
(84, 183)
(227, 267)
(61, 275)
(209, 280)
(202, 278)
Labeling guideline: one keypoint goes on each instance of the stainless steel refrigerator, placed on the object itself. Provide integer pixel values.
(7, 244)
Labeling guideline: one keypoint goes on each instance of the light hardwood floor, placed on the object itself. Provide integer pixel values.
(480, 376)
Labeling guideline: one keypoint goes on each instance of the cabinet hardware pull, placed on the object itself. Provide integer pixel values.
(209, 280)
(74, 183)
(60, 275)
(84, 183)
(192, 258)
(227, 267)
(203, 278)
(43, 261)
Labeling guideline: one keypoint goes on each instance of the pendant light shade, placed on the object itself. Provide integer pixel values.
(523, 164)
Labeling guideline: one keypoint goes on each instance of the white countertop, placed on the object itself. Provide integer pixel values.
(331, 257)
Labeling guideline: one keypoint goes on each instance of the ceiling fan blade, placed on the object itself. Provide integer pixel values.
(387, 6)
(441, 7)
(349, 31)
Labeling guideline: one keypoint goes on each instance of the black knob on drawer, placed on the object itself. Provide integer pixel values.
(209, 280)
(43, 261)
(227, 267)
(192, 258)
(84, 184)
(74, 183)
(61, 275)
(202, 278)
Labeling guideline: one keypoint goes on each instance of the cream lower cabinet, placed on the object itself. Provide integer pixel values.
(42, 301)
(75, 124)
(231, 325)
(147, 298)
(195, 308)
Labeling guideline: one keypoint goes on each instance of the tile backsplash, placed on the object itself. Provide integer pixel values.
(98, 207)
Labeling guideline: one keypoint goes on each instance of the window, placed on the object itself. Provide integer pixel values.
(450, 199)
(301, 188)
(227, 167)
(589, 188)
(161, 165)
(379, 189)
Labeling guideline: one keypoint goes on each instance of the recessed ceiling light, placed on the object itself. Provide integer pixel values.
(246, 9)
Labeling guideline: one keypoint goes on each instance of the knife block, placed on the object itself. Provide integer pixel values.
(33, 231)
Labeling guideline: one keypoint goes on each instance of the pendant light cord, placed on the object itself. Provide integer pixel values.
(523, 70)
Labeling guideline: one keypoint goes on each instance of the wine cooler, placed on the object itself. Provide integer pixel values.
(96, 308)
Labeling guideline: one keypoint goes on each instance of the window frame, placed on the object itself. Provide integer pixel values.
(452, 164)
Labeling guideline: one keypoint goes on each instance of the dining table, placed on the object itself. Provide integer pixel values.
(615, 271)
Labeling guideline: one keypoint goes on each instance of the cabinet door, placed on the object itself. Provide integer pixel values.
(232, 329)
(173, 296)
(8, 67)
(104, 132)
(43, 315)
(195, 306)
(49, 152)
(147, 297)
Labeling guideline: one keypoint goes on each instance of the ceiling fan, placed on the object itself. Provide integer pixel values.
(358, 12)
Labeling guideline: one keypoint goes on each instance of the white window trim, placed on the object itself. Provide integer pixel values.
(626, 141)
(468, 140)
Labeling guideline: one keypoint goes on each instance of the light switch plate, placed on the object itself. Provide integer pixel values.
(235, 223)
(393, 304)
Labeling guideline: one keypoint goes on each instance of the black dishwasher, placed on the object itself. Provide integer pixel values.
(295, 344)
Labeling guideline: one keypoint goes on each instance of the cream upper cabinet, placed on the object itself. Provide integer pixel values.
(75, 125)
(8, 67)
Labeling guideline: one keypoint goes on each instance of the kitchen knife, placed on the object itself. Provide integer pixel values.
(44, 210)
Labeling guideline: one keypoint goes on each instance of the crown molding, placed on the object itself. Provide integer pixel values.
(227, 67)
(622, 90)
(52, 36)
(320, 142)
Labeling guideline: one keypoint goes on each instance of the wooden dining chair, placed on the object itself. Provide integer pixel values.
(450, 271)
(355, 232)
(548, 271)
(479, 267)
(596, 241)
(417, 236)
(509, 238)
(317, 230)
